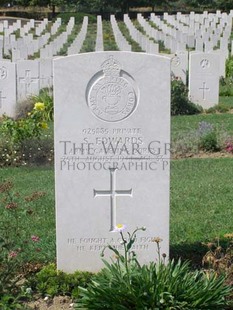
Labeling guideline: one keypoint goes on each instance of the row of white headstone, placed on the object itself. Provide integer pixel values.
(121, 41)
(25, 78)
(178, 30)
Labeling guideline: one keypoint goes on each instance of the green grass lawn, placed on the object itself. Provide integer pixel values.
(201, 203)
(228, 101)
(186, 123)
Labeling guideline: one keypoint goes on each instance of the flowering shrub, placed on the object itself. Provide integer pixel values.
(31, 126)
(229, 147)
(22, 140)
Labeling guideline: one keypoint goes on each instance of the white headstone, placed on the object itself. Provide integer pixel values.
(7, 88)
(204, 78)
(27, 79)
(179, 65)
(112, 124)
(46, 73)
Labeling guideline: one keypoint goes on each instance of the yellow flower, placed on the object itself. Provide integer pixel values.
(119, 228)
(44, 125)
(39, 106)
(29, 113)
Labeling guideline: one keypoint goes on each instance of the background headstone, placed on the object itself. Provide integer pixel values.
(204, 78)
(7, 88)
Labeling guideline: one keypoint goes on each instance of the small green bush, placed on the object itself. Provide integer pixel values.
(180, 104)
(50, 282)
(208, 137)
(209, 142)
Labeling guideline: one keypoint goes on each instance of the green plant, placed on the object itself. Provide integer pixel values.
(226, 86)
(45, 96)
(180, 104)
(50, 282)
(15, 243)
(16, 134)
(209, 142)
(207, 137)
(229, 67)
(125, 284)
(31, 126)
(221, 108)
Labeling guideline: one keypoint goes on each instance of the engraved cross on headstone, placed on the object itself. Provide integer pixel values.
(204, 88)
(1, 99)
(112, 193)
(28, 80)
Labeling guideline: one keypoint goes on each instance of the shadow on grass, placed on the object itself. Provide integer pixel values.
(192, 252)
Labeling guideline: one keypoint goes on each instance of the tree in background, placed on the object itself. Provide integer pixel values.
(52, 4)
(123, 6)
(225, 5)
(155, 4)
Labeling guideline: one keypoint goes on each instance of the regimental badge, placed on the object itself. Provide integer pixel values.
(110, 96)
(205, 63)
(175, 61)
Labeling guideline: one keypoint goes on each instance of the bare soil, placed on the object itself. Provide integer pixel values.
(56, 303)
(203, 155)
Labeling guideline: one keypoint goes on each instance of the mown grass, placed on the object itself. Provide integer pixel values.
(201, 199)
(180, 125)
(108, 37)
(201, 204)
(228, 101)
(89, 42)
